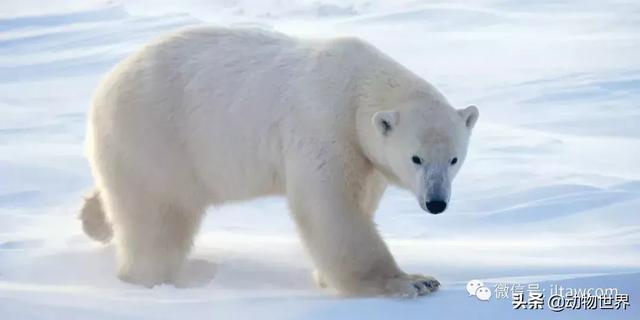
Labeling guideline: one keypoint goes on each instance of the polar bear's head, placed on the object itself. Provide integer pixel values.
(421, 146)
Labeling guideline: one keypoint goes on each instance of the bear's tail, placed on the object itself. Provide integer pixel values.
(94, 221)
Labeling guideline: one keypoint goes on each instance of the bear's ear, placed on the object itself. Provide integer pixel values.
(384, 121)
(469, 115)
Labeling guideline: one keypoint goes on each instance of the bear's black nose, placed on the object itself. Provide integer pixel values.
(436, 207)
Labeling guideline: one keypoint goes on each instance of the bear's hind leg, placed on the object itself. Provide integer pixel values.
(153, 238)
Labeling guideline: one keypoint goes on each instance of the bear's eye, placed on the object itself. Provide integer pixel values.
(416, 160)
(454, 161)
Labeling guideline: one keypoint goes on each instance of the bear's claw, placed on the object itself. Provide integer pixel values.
(411, 286)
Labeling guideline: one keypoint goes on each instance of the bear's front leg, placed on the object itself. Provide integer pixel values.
(343, 242)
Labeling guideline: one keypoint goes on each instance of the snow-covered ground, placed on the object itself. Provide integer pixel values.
(550, 193)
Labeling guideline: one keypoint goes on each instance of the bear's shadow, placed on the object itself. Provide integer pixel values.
(196, 273)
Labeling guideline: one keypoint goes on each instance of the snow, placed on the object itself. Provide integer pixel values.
(550, 192)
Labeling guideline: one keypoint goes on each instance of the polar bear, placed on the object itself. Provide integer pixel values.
(209, 116)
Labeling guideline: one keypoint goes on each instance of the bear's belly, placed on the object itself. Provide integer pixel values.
(235, 170)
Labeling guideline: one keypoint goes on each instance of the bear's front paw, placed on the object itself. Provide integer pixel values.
(411, 286)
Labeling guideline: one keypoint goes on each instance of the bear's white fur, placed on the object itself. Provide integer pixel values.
(211, 116)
